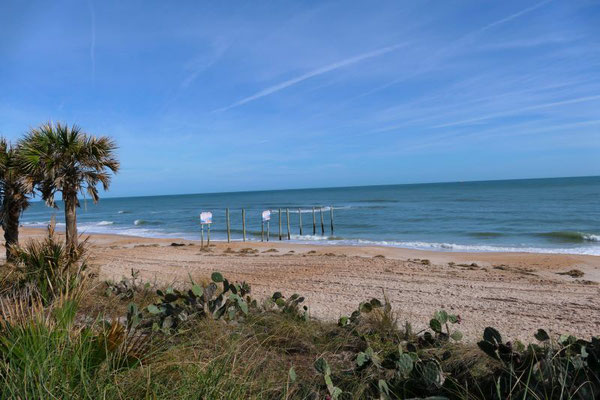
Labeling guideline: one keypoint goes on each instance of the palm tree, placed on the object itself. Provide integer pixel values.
(64, 159)
(14, 195)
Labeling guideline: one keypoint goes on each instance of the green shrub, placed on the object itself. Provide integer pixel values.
(221, 344)
(48, 269)
(44, 354)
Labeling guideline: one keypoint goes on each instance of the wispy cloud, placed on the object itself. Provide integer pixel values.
(513, 16)
(448, 51)
(194, 69)
(201, 64)
(319, 71)
(519, 110)
(92, 39)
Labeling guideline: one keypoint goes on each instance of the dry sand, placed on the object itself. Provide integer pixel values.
(514, 292)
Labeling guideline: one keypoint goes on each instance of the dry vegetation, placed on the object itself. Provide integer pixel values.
(66, 334)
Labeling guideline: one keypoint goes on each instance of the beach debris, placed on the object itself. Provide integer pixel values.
(573, 273)
(248, 250)
(472, 266)
(585, 282)
(379, 256)
(177, 244)
(271, 251)
(419, 261)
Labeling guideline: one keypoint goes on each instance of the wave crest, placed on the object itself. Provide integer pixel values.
(571, 236)
(139, 222)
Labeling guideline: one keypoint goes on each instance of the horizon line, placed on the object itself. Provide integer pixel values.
(342, 187)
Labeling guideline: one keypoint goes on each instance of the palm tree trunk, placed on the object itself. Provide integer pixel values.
(11, 231)
(71, 220)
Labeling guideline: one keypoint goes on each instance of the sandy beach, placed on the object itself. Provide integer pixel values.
(514, 292)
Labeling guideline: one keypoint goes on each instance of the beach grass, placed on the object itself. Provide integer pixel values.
(82, 338)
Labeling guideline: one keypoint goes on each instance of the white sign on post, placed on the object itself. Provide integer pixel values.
(206, 217)
(266, 215)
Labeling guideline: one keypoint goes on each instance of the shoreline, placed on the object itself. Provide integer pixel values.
(435, 247)
(514, 292)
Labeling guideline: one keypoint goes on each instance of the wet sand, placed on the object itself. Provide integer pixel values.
(514, 292)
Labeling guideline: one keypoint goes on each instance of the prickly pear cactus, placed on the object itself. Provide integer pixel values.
(431, 374)
(404, 365)
(219, 299)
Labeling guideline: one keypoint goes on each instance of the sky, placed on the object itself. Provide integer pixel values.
(255, 95)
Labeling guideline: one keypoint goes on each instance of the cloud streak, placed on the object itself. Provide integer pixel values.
(92, 39)
(520, 110)
(319, 71)
(441, 54)
(515, 15)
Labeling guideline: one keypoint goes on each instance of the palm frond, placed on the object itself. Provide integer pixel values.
(62, 158)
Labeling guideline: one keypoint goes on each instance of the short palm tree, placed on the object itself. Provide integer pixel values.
(64, 159)
(14, 194)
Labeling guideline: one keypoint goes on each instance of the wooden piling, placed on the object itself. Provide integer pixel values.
(314, 222)
(244, 225)
(280, 224)
(331, 218)
(300, 220)
(262, 231)
(322, 224)
(228, 227)
(201, 236)
(268, 231)
(287, 214)
(208, 236)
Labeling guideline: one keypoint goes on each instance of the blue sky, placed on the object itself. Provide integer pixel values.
(227, 96)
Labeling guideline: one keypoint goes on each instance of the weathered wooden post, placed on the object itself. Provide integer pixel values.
(268, 231)
(314, 222)
(331, 218)
(244, 225)
(280, 224)
(201, 236)
(287, 214)
(262, 231)
(300, 220)
(208, 236)
(322, 224)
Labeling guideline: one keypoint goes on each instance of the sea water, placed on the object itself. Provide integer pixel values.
(558, 215)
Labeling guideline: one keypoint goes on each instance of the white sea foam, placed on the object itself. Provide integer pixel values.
(589, 250)
(137, 230)
(308, 210)
(449, 247)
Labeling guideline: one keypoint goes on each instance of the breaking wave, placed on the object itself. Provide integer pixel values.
(570, 236)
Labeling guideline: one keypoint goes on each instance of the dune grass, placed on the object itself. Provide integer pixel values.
(79, 338)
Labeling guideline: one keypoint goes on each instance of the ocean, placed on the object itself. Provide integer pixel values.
(557, 215)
